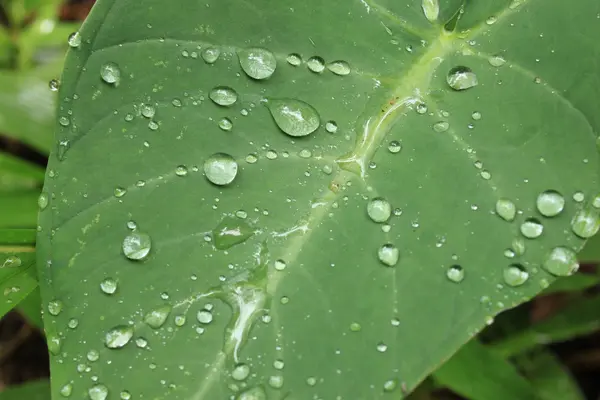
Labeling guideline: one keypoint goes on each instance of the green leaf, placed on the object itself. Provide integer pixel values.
(20, 209)
(552, 380)
(31, 308)
(241, 211)
(17, 237)
(573, 283)
(579, 318)
(591, 251)
(478, 373)
(34, 390)
(16, 173)
(17, 279)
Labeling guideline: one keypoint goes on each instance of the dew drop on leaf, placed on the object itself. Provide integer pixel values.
(55, 307)
(66, 390)
(11, 262)
(280, 265)
(561, 262)
(118, 336)
(421, 108)
(204, 316)
(257, 63)
(93, 355)
(181, 170)
(231, 231)
(148, 110)
(220, 169)
(394, 147)
(225, 124)
(120, 192)
(431, 9)
(316, 64)
(271, 155)
(585, 223)
(441, 126)
(255, 393)
(110, 73)
(294, 59)
(54, 85)
(331, 127)
(388, 254)
(379, 210)
(276, 381)
(532, 228)
(125, 395)
(278, 364)
(506, 209)
(137, 245)
(461, 78)
(223, 96)
(340, 67)
(157, 317)
(515, 275)
(54, 343)
(74, 40)
(455, 273)
(294, 117)
(578, 197)
(497, 61)
(108, 286)
(98, 392)
(550, 203)
(210, 55)
(240, 372)
(355, 327)
(43, 200)
(518, 245)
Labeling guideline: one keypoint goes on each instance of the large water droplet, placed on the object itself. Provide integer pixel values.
(294, 117)
(43, 201)
(257, 63)
(230, 232)
(220, 169)
(561, 262)
(585, 223)
(550, 203)
(137, 245)
(204, 316)
(461, 78)
(74, 39)
(225, 124)
(532, 228)
(118, 336)
(294, 59)
(157, 317)
(506, 209)
(210, 55)
(256, 393)
(455, 273)
(223, 96)
(515, 275)
(431, 9)
(66, 390)
(394, 147)
(98, 392)
(340, 67)
(240, 372)
(316, 64)
(379, 210)
(110, 73)
(55, 307)
(388, 254)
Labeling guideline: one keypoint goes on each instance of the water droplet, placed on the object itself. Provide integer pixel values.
(98, 392)
(148, 110)
(331, 127)
(181, 170)
(379, 210)
(231, 231)
(497, 61)
(179, 320)
(73, 323)
(586, 223)
(476, 115)
(125, 395)
(271, 154)
(518, 246)
(74, 39)
(225, 124)
(578, 197)
(204, 317)
(110, 73)
(54, 344)
(240, 372)
(390, 385)
(257, 63)
(256, 393)
(11, 262)
(294, 117)
(461, 78)
(532, 228)
(66, 390)
(251, 158)
(421, 108)
(137, 245)
(441, 126)
(120, 192)
(220, 169)
(93, 355)
(64, 121)
(311, 381)
(561, 262)
(55, 307)
(515, 275)
(455, 273)
(340, 67)
(388, 254)
(43, 201)
(157, 317)
(550, 203)
(316, 64)
(280, 265)
(506, 209)
(141, 343)
(54, 85)
(491, 20)
(431, 9)
(355, 327)
(223, 96)
(118, 336)
(210, 55)
(382, 347)
(394, 147)
(276, 381)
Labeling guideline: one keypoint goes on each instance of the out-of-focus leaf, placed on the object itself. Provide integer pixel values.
(479, 373)
(16, 173)
(17, 237)
(37, 390)
(580, 317)
(31, 308)
(591, 251)
(17, 279)
(574, 283)
(550, 378)
(19, 209)
(6, 47)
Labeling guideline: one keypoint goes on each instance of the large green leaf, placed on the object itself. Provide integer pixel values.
(278, 270)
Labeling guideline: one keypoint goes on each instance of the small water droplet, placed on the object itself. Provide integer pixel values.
(586, 223)
(231, 231)
(256, 393)
(441, 126)
(532, 228)
(506, 209)
(73, 323)
(461, 78)
(390, 385)
(561, 262)
(382, 347)
(223, 96)
(148, 110)
(98, 392)
(550, 203)
(55, 307)
(355, 327)
(181, 170)
(125, 395)
(54, 85)
(280, 265)
(515, 275)
(220, 169)
(204, 316)
(74, 39)
(294, 59)
(276, 381)
(316, 64)
(120, 192)
(388, 254)
(331, 127)
(54, 344)
(118, 336)
(497, 61)
(394, 147)
(257, 63)
(66, 390)
(141, 343)
(157, 317)
(421, 108)
(240, 372)
(455, 273)
(294, 117)
(379, 209)
(278, 364)
(210, 55)
(110, 73)
(93, 355)
(311, 381)
(137, 245)
(476, 115)
(578, 197)
(340, 67)
(225, 124)
(491, 20)
(43, 201)
(64, 121)
(179, 320)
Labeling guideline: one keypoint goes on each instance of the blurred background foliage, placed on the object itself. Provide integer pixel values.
(547, 348)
